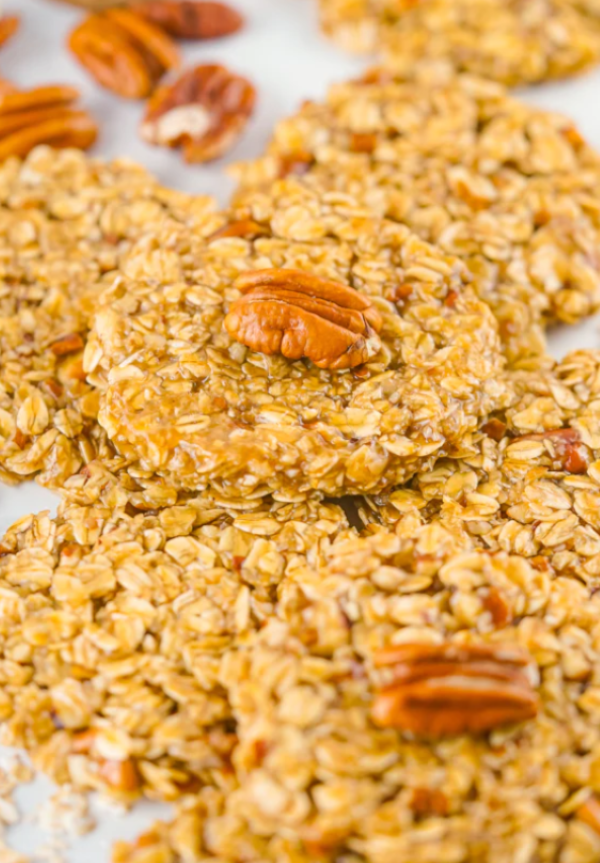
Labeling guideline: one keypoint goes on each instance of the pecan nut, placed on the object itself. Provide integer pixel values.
(441, 690)
(191, 19)
(572, 455)
(299, 315)
(43, 115)
(204, 112)
(124, 52)
(246, 228)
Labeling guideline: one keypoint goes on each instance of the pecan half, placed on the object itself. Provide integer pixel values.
(204, 112)
(299, 315)
(191, 19)
(43, 115)
(440, 690)
(572, 454)
(124, 52)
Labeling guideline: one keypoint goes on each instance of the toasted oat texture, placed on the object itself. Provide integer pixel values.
(203, 411)
(65, 221)
(113, 625)
(531, 484)
(318, 780)
(510, 189)
(510, 41)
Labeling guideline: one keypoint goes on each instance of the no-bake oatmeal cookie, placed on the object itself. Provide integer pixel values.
(510, 41)
(113, 622)
(510, 189)
(65, 221)
(384, 715)
(317, 349)
(531, 484)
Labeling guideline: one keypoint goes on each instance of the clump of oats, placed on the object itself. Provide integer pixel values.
(65, 222)
(504, 40)
(318, 779)
(114, 622)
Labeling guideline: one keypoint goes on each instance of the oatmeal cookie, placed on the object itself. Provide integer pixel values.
(114, 622)
(202, 389)
(510, 189)
(510, 41)
(65, 221)
(396, 628)
(531, 484)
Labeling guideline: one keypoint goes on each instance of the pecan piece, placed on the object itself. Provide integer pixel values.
(496, 603)
(572, 454)
(295, 164)
(494, 428)
(299, 315)
(589, 813)
(447, 689)
(124, 52)
(429, 801)
(43, 115)
(204, 112)
(246, 228)
(120, 775)
(191, 19)
(68, 344)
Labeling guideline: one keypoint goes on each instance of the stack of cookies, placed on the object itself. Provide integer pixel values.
(326, 567)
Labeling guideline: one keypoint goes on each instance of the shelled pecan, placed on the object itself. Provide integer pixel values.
(9, 24)
(203, 112)
(191, 19)
(43, 115)
(299, 315)
(572, 455)
(124, 52)
(440, 690)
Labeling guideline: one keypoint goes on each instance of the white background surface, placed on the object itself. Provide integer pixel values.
(281, 51)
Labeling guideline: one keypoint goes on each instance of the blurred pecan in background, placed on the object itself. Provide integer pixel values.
(9, 25)
(191, 19)
(446, 689)
(94, 5)
(43, 115)
(204, 112)
(7, 87)
(124, 52)
(301, 315)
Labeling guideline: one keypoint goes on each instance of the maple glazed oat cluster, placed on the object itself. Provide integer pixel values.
(324, 571)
